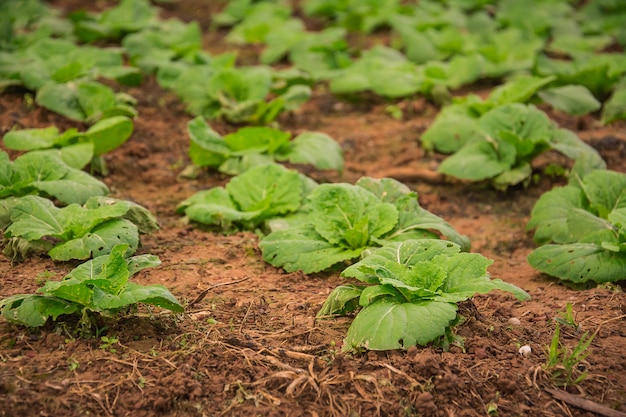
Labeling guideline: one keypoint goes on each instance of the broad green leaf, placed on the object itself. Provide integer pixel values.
(467, 276)
(372, 293)
(343, 299)
(408, 253)
(256, 140)
(386, 325)
(618, 218)
(479, 160)
(337, 209)
(450, 132)
(145, 221)
(62, 99)
(207, 148)
(549, 215)
(518, 90)
(303, 249)
(516, 175)
(586, 227)
(34, 310)
(317, 149)
(525, 121)
(98, 241)
(94, 99)
(570, 145)
(271, 188)
(109, 133)
(571, 99)
(133, 293)
(606, 191)
(34, 217)
(413, 220)
(579, 262)
(615, 107)
(30, 139)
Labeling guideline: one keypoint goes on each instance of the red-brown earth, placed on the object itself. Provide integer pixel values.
(252, 345)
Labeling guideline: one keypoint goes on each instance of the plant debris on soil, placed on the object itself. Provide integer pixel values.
(249, 343)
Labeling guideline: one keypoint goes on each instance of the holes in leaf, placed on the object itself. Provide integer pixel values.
(401, 342)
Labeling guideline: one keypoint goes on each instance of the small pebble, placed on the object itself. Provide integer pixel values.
(525, 351)
(514, 321)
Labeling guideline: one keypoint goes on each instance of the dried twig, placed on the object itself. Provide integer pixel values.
(585, 404)
(221, 284)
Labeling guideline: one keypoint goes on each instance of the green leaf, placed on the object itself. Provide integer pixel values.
(256, 140)
(98, 241)
(34, 310)
(549, 215)
(343, 211)
(133, 293)
(62, 99)
(271, 188)
(249, 199)
(579, 262)
(386, 325)
(467, 276)
(605, 190)
(303, 249)
(479, 160)
(615, 107)
(571, 99)
(109, 133)
(207, 147)
(570, 145)
(412, 218)
(525, 121)
(450, 131)
(342, 300)
(34, 217)
(518, 90)
(317, 149)
(30, 139)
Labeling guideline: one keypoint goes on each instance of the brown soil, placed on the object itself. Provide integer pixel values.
(252, 345)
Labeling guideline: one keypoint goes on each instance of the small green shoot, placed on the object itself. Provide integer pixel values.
(108, 343)
(568, 317)
(563, 364)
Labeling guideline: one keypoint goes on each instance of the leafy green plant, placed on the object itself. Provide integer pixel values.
(238, 95)
(74, 231)
(340, 221)
(155, 46)
(562, 363)
(505, 141)
(582, 229)
(45, 173)
(76, 148)
(50, 60)
(355, 15)
(411, 292)
(85, 101)
(615, 107)
(115, 22)
(100, 286)
(250, 146)
(249, 199)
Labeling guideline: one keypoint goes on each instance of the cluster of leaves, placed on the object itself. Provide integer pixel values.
(582, 228)
(497, 139)
(251, 146)
(217, 89)
(75, 148)
(45, 173)
(74, 232)
(446, 45)
(100, 285)
(410, 293)
(340, 221)
(64, 78)
(249, 199)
